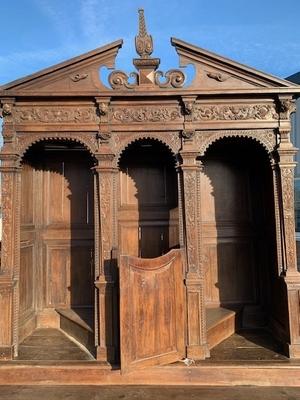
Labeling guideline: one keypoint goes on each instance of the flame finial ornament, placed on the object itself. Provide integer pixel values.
(143, 41)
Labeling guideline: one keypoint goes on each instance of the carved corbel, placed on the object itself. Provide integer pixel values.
(104, 133)
(6, 112)
(188, 135)
(188, 106)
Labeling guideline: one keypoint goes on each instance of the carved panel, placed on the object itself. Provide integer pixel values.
(7, 220)
(52, 115)
(146, 114)
(204, 139)
(235, 112)
(287, 175)
(190, 189)
(105, 192)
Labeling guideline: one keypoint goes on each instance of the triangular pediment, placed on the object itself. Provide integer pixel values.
(217, 72)
(79, 74)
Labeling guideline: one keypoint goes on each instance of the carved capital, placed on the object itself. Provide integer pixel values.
(286, 105)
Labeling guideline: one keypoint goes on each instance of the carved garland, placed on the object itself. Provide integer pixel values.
(267, 138)
(25, 142)
(121, 142)
(146, 114)
(56, 115)
(234, 112)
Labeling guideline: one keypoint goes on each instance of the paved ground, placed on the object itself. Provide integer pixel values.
(145, 393)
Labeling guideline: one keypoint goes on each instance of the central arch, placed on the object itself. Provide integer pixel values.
(148, 199)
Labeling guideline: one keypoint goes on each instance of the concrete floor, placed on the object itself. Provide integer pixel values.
(145, 393)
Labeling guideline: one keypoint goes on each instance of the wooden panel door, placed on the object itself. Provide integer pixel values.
(152, 310)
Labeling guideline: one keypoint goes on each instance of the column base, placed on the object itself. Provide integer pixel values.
(292, 350)
(198, 352)
(106, 354)
(6, 353)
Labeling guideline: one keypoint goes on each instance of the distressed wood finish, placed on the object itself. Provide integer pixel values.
(150, 336)
(216, 182)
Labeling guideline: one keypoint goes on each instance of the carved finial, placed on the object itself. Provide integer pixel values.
(143, 41)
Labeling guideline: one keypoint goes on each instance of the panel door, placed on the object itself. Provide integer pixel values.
(152, 310)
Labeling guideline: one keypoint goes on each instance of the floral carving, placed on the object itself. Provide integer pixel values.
(56, 115)
(191, 217)
(235, 112)
(7, 219)
(105, 187)
(146, 114)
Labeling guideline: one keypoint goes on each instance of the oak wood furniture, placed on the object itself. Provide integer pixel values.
(101, 180)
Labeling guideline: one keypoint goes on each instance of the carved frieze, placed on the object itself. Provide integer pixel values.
(57, 114)
(235, 112)
(146, 114)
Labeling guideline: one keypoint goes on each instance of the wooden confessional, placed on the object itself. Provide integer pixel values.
(147, 219)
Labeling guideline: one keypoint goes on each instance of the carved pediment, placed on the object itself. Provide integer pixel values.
(79, 74)
(216, 72)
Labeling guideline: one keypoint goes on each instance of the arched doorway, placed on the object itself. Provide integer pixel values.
(238, 230)
(57, 243)
(148, 201)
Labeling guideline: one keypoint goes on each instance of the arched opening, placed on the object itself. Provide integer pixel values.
(57, 250)
(148, 201)
(238, 231)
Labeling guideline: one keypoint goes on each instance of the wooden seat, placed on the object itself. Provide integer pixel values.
(78, 323)
(221, 323)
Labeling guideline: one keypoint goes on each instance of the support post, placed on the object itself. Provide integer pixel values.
(106, 273)
(197, 347)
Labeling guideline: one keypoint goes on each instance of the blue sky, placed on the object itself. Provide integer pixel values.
(36, 34)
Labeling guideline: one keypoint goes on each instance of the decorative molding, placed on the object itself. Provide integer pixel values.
(78, 77)
(52, 115)
(146, 114)
(217, 76)
(204, 139)
(235, 112)
(174, 78)
(120, 142)
(90, 142)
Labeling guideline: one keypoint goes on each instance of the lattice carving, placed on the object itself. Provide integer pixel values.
(204, 139)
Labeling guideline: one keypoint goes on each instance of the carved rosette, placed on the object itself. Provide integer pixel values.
(287, 182)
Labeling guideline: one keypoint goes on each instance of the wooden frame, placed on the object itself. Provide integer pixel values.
(68, 102)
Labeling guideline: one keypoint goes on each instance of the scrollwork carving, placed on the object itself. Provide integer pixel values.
(78, 77)
(120, 80)
(173, 78)
(235, 112)
(217, 76)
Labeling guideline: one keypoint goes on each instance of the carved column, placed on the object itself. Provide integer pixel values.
(106, 269)
(10, 244)
(291, 276)
(197, 347)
